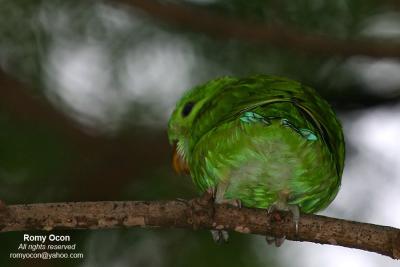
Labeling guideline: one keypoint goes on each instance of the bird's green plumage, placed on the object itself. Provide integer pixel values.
(260, 140)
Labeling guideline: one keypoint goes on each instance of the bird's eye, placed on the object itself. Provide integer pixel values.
(187, 109)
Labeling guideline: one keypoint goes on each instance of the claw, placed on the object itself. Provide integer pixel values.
(211, 191)
(294, 209)
(278, 241)
(270, 239)
(220, 236)
(238, 203)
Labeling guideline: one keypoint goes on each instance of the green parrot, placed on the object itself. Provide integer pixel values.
(262, 142)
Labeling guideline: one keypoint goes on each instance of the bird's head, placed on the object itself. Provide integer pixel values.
(183, 119)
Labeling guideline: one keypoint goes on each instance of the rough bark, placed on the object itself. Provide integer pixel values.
(200, 214)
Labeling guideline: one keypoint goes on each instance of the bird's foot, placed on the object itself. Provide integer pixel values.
(222, 236)
(201, 209)
(278, 241)
(276, 218)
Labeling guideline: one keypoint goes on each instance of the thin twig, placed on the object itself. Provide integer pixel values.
(221, 27)
(195, 214)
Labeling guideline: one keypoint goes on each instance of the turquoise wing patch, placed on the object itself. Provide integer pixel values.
(309, 135)
(306, 133)
(251, 117)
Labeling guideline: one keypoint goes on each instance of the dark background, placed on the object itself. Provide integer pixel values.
(86, 89)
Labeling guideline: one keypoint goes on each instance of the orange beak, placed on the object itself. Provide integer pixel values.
(178, 163)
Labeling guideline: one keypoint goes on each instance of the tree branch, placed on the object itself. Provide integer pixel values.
(198, 214)
(200, 20)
